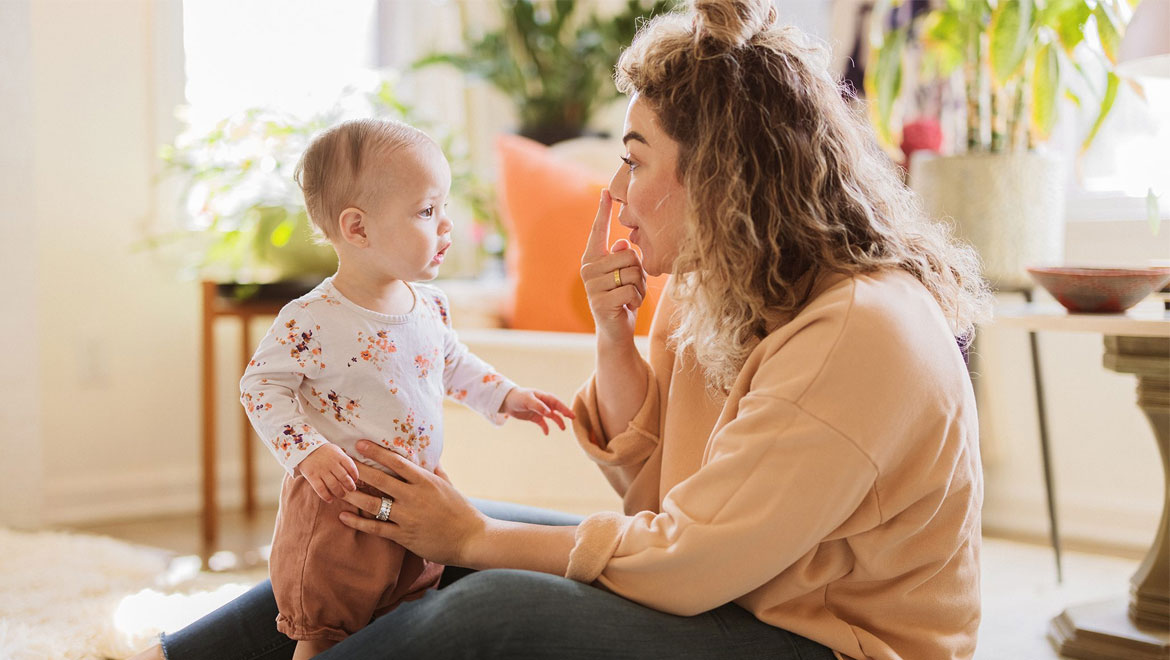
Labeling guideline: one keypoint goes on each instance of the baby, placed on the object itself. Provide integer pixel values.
(369, 353)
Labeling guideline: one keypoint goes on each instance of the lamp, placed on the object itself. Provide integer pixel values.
(1145, 50)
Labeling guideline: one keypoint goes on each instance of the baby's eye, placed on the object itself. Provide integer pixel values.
(428, 211)
(629, 163)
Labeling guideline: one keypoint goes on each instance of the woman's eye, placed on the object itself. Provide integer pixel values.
(629, 163)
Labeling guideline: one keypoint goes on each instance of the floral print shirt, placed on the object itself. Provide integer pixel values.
(331, 371)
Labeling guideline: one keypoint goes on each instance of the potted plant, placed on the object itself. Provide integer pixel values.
(247, 224)
(1001, 69)
(552, 59)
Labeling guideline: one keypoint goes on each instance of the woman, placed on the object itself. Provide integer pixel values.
(798, 458)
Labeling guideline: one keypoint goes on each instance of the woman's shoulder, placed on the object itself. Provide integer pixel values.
(859, 327)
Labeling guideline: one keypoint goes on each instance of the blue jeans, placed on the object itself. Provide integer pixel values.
(501, 614)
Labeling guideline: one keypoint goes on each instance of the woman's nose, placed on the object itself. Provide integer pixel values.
(617, 185)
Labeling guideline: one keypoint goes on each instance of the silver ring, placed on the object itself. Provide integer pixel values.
(384, 510)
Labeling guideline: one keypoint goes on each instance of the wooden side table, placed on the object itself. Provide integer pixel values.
(1137, 627)
(218, 302)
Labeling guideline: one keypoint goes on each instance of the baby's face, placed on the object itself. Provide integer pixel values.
(408, 228)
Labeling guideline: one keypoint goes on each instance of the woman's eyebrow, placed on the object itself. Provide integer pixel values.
(634, 135)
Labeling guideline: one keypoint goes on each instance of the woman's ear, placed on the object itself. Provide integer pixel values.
(351, 222)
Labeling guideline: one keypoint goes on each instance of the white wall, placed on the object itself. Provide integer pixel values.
(1107, 471)
(22, 464)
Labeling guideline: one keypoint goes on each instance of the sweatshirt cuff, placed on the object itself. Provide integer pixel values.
(633, 445)
(597, 539)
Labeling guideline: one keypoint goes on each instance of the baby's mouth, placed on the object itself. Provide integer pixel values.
(438, 258)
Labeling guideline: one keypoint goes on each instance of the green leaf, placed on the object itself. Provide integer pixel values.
(1069, 23)
(1010, 34)
(1106, 105)
(282, 233)
(887, 80)
(944, 39)
(1045, 89)
(1109, 33)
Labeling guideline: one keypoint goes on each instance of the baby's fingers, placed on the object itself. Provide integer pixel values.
(319, 487)
(351, 468)
(535, 418)
(556, 404)
(336, 488)
(556, 418)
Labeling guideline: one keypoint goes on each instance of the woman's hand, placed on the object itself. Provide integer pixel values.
(429, 517)
(613, 299)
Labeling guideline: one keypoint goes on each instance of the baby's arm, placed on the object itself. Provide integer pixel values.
(476, 384)
(287, 355)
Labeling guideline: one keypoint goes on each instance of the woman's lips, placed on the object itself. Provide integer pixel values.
(634, 236)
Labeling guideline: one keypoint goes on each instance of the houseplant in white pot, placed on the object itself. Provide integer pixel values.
(1007, 67)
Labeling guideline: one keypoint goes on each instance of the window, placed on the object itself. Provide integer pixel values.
(295, 55)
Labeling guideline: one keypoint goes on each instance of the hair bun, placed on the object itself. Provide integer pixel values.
(733, 22)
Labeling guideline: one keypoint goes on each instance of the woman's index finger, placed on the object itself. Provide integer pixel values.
(598, 243)
(405, 469)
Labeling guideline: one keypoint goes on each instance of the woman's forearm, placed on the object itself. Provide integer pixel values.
(622, 382)
(506, 544)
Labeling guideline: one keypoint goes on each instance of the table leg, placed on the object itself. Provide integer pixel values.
(1110, 630)
(1045, 447)
(209, 522)
(249, 468)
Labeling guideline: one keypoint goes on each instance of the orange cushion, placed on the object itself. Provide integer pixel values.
(548, 205)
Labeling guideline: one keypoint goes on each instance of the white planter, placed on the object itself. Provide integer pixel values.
(1010, 207)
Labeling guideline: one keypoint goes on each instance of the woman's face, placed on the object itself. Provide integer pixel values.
(647, 186)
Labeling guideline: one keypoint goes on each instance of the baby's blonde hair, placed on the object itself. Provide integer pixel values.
(784, 182)
(333, 172)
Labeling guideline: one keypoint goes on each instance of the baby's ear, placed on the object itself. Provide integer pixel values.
(351, 223)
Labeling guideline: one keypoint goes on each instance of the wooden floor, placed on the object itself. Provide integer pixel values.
(1020, 592)
(243, 539)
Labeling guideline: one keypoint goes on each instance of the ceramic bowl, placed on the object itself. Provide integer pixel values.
(1100, 290)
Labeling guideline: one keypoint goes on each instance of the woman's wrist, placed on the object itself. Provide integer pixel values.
(505, 544)
(474, 552)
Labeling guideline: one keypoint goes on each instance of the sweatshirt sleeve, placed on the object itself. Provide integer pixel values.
(290, 352)
(622, 457)
(748, 514)
(467, 378)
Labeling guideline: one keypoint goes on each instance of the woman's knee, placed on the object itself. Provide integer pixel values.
(488, 612)
(500, 595)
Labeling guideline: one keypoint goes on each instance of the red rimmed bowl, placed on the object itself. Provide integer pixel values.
(1100, 290)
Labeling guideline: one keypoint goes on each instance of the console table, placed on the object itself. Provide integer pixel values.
(1137, 627)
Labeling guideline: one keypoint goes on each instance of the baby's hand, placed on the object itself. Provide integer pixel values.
(330, 471)
(533, 406)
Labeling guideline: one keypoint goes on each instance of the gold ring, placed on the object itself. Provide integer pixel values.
(617, 277)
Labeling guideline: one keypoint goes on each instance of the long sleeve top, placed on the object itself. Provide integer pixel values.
(835, 492)
(330, 370)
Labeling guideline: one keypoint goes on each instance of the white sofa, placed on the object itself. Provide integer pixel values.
(516, 462)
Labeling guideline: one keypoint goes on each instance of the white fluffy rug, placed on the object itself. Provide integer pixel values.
(78, 597)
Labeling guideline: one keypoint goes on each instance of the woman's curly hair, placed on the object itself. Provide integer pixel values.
(784, 179)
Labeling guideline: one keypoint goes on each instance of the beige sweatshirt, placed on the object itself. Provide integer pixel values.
(835, 493)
